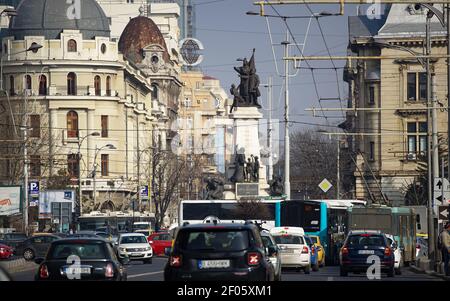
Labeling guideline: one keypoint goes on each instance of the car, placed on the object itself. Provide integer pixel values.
(294, 250)
(273, 252)
(217, 252)
(97, 261)
(421, 247)
(313, 253)
(159, 242)
(320, 249)
(13, 239)
(135, 246)
(397, 254)
(6, 251)
(35, 246)
(357, 248)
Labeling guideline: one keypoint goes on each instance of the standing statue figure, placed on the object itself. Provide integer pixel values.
(249, 170)
(276, 186)
(255, 172)
(239, 163)
(249, 87)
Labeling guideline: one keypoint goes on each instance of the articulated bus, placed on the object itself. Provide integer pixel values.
(119, 221)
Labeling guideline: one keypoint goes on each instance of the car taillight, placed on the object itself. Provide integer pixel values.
(2, 250)
(253, 258)
(387, 251)
(109, 271)
(344, 251)
(43, 272)
(175, 261)
(418, 246)
(313, 250)
(305, 250)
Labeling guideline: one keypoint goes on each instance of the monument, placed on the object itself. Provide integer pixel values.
(247, 169)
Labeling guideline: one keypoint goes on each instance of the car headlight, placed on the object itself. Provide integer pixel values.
(148, 249)
(122, 249)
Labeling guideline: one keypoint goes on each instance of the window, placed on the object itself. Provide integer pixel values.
(28, 82)
(42, 85)
(372, 95)
(72, 46)
(12, 89)
(417, 86)
(104, 126)
(105, 165)
(72, 124)
(103, 48)
(108, 86)
(35, 124)
(35, 166)
(71, 84)
(72, 165)
(417, 138)
(372, 151)
(98, 85)
(155, 92)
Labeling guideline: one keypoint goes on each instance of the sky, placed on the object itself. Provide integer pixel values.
(227, 34)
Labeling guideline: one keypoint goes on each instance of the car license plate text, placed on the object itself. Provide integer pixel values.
(213, 264)
(366, 252)
(72, 271)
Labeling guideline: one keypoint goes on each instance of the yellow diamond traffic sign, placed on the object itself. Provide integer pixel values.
(325, 185)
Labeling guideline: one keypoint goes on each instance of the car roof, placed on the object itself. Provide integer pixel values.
(356, 232)
(131, 234)
(78, 239)
(219, 226)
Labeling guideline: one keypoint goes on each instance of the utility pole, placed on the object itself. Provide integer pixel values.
(431, 243)
(269, 130)
(448, 89)
(338, 179)
(287, 183)
(25, 169)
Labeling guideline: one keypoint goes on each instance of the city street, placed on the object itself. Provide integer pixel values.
(137, 271)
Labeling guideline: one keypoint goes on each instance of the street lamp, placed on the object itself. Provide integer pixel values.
(80, 142)
(316, 15)
(94, 173)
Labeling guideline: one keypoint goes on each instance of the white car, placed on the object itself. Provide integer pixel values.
(134, 246)
(294, 250)
(397, 254)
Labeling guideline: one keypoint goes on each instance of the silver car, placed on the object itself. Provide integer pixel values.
(274, 255)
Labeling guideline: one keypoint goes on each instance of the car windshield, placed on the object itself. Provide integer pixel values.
(266, 241)
(17, 236)
(133, 240)
(366, 240)
(83, 250)
(225, 240)
(287, 239)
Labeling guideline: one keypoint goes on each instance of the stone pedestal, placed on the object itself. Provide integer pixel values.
(246, 141)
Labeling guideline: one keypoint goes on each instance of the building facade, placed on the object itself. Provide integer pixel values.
(389, 124)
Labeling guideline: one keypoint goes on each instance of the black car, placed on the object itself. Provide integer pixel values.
(98, 261)
(357, 248)
(36, 246)
(13, 239)
(218, 252)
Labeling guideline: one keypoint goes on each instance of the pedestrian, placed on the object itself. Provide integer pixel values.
(444, 240)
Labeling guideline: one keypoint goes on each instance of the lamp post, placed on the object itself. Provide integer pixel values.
(80, 192)
(94, 173)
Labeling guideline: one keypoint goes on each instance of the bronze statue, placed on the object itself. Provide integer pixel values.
(276, 186)
(249, 170)
(214, 189)
(239, 172)
(248, 91)
(255, 172)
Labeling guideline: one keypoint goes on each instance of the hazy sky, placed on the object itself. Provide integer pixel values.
(228, 33)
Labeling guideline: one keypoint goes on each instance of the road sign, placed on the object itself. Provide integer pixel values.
(444, 213)
(325, 185)
(439, 185)
(33, 188)
(144, 191)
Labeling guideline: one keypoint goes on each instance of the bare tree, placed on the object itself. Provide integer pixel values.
(252, 209)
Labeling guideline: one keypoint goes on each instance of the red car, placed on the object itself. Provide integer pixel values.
(159, 241)
(5, 251)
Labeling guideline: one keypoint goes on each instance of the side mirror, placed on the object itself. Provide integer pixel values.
(167, 251)
(39, 260)
(271, 250)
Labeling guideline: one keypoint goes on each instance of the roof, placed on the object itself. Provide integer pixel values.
(131, 234)
(49, 18)
(218, 226)
(363, 27)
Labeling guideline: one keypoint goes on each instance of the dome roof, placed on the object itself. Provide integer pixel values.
(49, 17)
(139, 33)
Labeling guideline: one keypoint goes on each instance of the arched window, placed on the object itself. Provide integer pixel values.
(12, 88)
(108, 86)
(28, 82)
(72, 124)
(98, 85)
(71, 84)
(72, 46)
(42, 85)
(155, 92)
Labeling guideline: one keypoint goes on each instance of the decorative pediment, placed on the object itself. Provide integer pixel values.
(153, 57)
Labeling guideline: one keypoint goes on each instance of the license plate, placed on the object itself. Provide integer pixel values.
(289, 251)
(72, 271)
(213, 264)
(366, 252)
(136, 255)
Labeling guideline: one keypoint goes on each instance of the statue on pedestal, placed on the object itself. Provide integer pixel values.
(249, 170)
(256, 169)
(276, 186)
(214, 189)
(239, 172)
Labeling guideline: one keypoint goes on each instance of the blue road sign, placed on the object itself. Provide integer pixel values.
(33, 188)
(144, 191)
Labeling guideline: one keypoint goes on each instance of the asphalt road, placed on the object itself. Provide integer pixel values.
(138, 271)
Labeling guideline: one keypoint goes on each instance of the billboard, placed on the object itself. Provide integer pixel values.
(10, 200)
(46, 199)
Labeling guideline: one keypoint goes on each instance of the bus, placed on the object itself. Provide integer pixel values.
(119, 221)
(397, 221)
(324, 218)
(229, 211)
